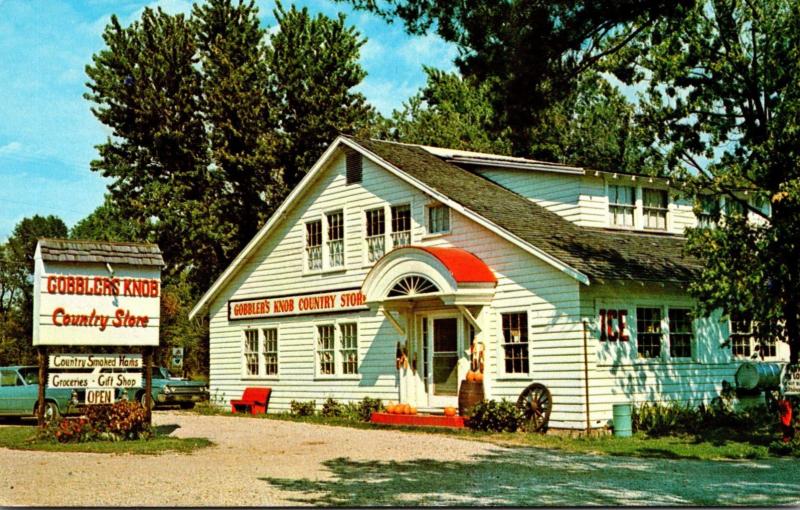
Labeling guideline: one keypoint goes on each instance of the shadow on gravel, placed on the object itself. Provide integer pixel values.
(165, 430)
(533, 477)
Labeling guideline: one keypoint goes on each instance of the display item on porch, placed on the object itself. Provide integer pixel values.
(449, 411)
(470, 393)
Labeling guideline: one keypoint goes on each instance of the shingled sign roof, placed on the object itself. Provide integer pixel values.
(68, 250)
(604, 254)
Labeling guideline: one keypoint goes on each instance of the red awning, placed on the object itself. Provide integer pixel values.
(463, 265)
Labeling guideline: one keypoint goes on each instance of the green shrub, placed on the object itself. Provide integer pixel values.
(368, 406)
(298, 408)
(331, 408)
(490, 415)
(791, 449)
(678, 418)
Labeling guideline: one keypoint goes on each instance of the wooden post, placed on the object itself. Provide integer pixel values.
(148, 383)
(586, 373)
(41, 354)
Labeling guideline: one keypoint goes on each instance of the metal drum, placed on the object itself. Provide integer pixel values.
(623, 426)
(758, 376)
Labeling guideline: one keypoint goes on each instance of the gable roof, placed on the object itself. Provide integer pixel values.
(581, 252)
(94, 252)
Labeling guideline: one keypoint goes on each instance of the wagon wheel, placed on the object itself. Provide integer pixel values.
(535, 402)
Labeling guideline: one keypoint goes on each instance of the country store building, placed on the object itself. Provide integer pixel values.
(388, 261)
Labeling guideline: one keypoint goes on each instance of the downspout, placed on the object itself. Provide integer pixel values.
(586, 372)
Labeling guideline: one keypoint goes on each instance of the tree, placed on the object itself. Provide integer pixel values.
(146, 87)
(531, 51)
(242, 121)
(313, 65)
(449, 112)
(722, 94)
(16, 286)
(107, 223)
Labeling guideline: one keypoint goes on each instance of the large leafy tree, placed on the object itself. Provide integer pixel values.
(723, 94)
(530, 51)
(146, 88)
(313, 67)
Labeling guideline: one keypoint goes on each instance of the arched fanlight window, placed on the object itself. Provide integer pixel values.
(412, 286)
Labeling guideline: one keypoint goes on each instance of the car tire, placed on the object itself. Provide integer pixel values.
(51, 413)
(142, 400)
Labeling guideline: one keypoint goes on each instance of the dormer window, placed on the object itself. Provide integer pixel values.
(621, 205)
(654, 208)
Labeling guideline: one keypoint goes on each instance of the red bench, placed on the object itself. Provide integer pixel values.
(253, 401)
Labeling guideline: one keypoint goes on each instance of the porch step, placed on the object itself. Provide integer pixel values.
(418, 420)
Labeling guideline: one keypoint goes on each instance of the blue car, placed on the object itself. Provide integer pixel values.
(19, 394)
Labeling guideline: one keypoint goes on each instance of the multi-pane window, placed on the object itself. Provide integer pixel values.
(376, 230)
(515, 342)
(314, 245)
(707, 212)
(270, 351)
(741, 335)
(251, 351)
(326, 349)
(654, 208)
(680, 333)
(401, 225)
(648, 332)
(621, 205)
(349, 348)
(438, 219)
(733, 207)
(335, 238)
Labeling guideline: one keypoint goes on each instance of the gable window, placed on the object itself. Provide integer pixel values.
(438, 219)
(314, 245)
(348, 353)
(270, 351)
(654, 208)
(515, 342)
(335, 238)
(325, 349)
(648, 332)
(621, 205)
(376, 230)
(401, 225)
(251, 351)
(680, 333)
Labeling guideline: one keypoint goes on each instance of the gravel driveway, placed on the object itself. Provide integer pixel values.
(270, 462)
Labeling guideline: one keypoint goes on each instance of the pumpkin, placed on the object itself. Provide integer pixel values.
(449, 411)
(470, 376)
(479, 377)
(406, 409)
(412, 410)
(390, 409)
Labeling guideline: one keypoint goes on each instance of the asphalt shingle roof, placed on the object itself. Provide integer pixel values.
(603, 254)
(69, 250)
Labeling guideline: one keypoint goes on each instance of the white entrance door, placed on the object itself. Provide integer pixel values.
(444, 346)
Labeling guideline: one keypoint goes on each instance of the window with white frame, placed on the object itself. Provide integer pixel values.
(680, 333)
(376, 234)
(348, 353)
(335, 238)
(707, 211)
(314, 245)
(251, 352)
(648, 332)
(744, 341)
(515, 342)
(621, 205)
(337, 349)
(270, 350)
(401, 225)
(654, 208)
(733, 207)
(326, 352)
(438, 219)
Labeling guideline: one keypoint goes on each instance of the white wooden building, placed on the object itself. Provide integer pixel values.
(568, 277)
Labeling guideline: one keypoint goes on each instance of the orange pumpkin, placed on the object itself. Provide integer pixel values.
(390, 409)
(406, 409)
(449, 411)
(412, 410)
(470, 376)
(479, 377)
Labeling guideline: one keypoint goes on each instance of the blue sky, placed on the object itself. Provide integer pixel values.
(48, 134)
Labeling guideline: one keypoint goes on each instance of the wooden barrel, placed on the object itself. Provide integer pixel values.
(469, 394)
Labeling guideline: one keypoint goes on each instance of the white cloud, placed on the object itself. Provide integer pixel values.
(428, 49)
(10, 148)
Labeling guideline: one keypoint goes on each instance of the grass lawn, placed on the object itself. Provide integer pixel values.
(24, 438)
(713, 445)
